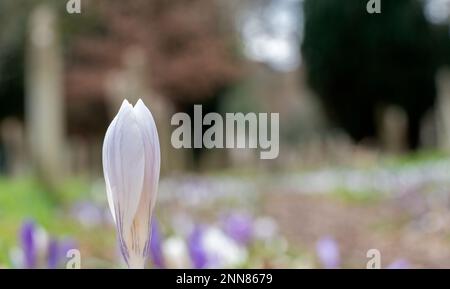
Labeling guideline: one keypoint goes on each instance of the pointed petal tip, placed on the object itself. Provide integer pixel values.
(140, 103)
(141, 108)
(126, 103)
(125, 106)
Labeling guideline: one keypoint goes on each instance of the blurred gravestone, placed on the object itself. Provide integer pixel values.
(443, 108)
(44, 96)
(393, 129)
(12, 136)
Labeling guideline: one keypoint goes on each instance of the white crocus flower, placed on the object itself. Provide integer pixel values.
(222, 251)
(131, 164)
(176, 254)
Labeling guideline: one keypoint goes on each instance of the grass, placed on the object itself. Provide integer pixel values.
(357, 197)
(24, 199)
(416, 158)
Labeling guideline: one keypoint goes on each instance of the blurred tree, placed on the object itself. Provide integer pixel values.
(190, 54)
(190, 58)
(14, 15)
(358, 62)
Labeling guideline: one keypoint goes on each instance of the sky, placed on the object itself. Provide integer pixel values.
(437, 11)
(272, 33)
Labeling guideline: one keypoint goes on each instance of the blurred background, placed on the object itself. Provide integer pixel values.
(364, 104)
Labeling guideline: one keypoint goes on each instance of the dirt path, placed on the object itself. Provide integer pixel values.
(387, 226)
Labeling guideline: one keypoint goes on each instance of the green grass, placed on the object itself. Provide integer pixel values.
(416, 158)
(24, 199)
(357, 197)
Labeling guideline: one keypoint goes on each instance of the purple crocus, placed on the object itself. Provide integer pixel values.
(53, 254)
(156, 246)
(196, 250)
(328, 253)
(65, 245)
(238, 226)
(88, 214)
(399, 264)
(28, 242)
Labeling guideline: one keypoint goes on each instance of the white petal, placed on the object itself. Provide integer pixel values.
(124, 166)
(151, 176)
(151, 142)
(106, 167)
(107, 144)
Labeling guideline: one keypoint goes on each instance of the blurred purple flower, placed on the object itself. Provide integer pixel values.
(53, 254)
(156, 253)
(66, 245)
(196, 250)
(88, 214)
(399, 264)
(238, 226)
(328, 253)
(28, 242)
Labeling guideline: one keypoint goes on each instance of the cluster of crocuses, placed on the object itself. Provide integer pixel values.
(131, 161)
(38, 249)
(225, 244)
(131, 166)
(206, 246)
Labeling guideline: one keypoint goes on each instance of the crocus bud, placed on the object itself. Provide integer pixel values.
(131, 164)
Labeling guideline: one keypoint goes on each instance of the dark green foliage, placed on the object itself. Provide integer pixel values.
(358, 62)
